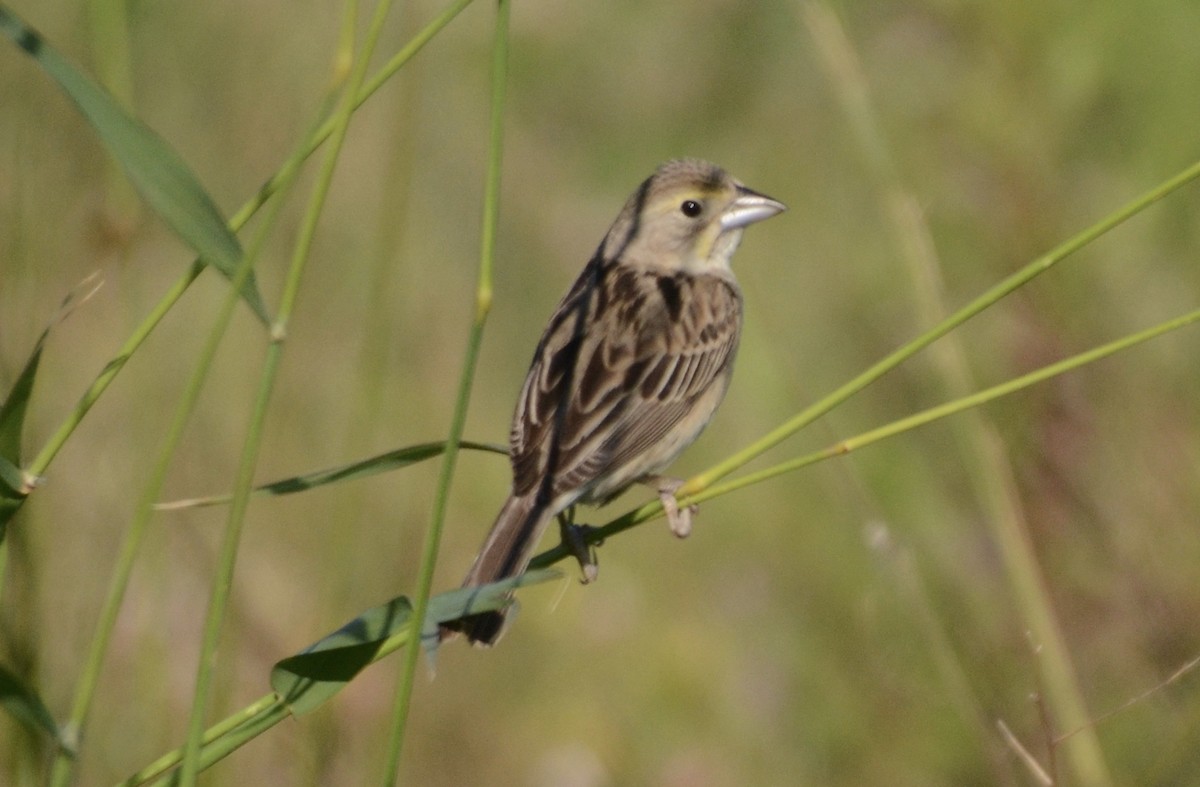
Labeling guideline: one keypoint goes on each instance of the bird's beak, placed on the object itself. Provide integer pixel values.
(749, 207)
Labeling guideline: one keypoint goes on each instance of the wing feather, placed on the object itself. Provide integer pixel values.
(618, 371)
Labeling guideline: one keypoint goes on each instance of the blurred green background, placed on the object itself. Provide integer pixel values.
(850, 624)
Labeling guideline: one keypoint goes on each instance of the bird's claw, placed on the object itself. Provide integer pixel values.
(678, 519)
(575, 539)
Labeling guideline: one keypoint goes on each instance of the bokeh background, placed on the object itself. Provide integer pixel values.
(850, 624)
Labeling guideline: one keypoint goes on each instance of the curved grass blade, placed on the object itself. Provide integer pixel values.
(654, 509)
(25, 706)
(12, 492)
(306, 680)
(222, 746)
(14, 486)
(223, 737)
(381, 463)
(15, 483)
(155, 169)
(12, 412)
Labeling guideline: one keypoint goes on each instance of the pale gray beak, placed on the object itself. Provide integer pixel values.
(749, 207)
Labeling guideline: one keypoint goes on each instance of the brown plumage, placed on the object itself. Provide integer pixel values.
(631, 367)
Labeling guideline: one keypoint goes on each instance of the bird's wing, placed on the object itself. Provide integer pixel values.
(625, 358)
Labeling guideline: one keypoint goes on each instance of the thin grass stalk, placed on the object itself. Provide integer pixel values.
(957, 406)
(365, 92)
(284, 174)
(227, 744)
(1023, 276)
(984, 458)
(114, 67)
(50, 450)
(993, 479)
(223, 580)
(654, 509)
(232, 726)
(899, 561)
(144, 511)
(483, 304)
(109, 21)
(227, 726)
(363, 420)
(241, 727)
(57, 440)
(915, 245)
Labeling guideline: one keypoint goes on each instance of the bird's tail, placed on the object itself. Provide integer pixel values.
(505, 553)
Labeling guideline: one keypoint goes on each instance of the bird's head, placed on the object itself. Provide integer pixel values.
(688, 215)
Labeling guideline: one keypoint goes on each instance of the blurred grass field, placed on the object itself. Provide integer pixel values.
(850, 624)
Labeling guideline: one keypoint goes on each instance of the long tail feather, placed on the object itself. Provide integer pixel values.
(505, 553)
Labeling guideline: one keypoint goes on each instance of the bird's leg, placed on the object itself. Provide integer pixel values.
(574, 538)
(678, 519)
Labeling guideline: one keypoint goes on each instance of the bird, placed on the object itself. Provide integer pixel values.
(629, 370)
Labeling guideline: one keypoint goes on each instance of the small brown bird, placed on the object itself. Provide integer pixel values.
(631, 367)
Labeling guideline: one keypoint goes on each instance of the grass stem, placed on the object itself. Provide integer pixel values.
(483, 301)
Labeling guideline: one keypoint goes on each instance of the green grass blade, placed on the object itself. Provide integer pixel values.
(24, 705)
(12, 412)
(156, 170)
(283, 175)
(654, 509)
(131, 544)
(221, 746)
(986, 463)
(381, 463)
(14, 486)
(305, 681)
(985, 300)
(15, 483)
(308, 679)
(460, 602)
(483, 303)
(318, 673)
(12, 483)
(254, 716)
(243, 483)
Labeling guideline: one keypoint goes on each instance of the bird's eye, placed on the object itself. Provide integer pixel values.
(691, 208)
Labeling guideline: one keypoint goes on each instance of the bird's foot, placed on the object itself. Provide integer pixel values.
(574, 538)
(679, 519)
